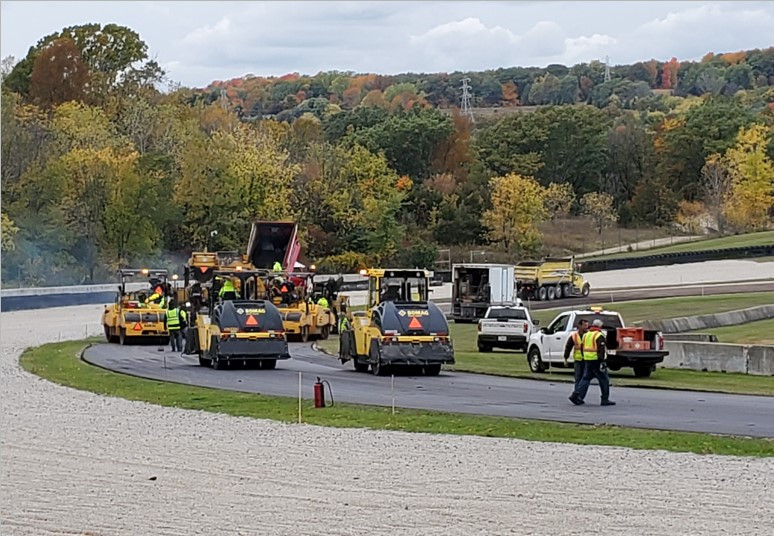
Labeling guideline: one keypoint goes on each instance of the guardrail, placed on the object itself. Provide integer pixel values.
(665, 259)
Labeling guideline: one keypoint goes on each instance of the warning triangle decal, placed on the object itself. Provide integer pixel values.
(137, 327)
(415, 323)
(251, 321)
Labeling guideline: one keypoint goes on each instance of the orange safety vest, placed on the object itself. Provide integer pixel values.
(577, 341)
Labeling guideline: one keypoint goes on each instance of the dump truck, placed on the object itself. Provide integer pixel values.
(400, 326)
(271, 242)
(476, 287)
(131, 318)
(239, 326)
(550, 279)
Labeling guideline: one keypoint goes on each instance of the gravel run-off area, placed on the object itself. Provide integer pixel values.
(78, 463)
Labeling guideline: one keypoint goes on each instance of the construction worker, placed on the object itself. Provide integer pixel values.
(323, 302)
(227, 291)
(277, 267)
(175, 321)
(575, 345)
(285, 292)
(595, 366)
(157, 298)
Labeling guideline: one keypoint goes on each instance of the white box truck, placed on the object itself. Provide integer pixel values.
(476, 287)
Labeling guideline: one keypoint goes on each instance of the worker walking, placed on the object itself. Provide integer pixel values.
(575, 345)
(175, 322)
(595, 366)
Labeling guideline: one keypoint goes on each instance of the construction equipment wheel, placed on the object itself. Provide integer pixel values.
(217, 364)
(203, 362)
(360, 367)
(122, 336)
(108, 338)
(432, 370)
(304, 333)
(325, 332)
(268, 364)
(377, 368)
(535, 361)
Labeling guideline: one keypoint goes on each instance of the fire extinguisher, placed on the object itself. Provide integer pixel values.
(319, 393)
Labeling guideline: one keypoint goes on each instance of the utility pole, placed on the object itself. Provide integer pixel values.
(465, 109)
(607, 68)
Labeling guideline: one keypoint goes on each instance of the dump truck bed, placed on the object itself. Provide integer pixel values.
(273, 241)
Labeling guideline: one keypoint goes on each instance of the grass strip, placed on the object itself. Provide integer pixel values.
(60, 363)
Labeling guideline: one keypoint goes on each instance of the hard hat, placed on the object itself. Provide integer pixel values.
(597, 323)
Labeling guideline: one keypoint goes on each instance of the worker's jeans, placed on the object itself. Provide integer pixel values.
(176, 340)
(593, 371)
(579, 369)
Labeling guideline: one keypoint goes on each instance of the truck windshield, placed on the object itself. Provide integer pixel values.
(403, 289)
(507, 314)
(609, 321)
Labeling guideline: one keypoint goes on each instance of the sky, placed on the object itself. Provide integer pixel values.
(198, 42)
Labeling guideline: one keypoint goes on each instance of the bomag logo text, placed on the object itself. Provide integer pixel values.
(418, 312)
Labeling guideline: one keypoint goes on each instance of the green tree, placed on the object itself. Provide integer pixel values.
(599, 207)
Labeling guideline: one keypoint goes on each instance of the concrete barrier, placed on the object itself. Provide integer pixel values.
(719, 357)
(694, 323)
(693, 337)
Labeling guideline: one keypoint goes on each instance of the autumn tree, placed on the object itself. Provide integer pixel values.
(669, 74)
(599, 207)
(716, 183)
(518, 206)
(690, 216)
(9, 231)
(559, 198)
(58, 75)
(752, 180)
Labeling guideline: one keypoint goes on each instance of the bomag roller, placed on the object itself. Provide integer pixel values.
(131, 318)
(400, 327)
(302, 317)
(239, 326)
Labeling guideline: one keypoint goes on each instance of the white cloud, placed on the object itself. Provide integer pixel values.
(206, 33)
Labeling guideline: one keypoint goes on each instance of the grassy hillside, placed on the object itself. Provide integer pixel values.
(762, 238)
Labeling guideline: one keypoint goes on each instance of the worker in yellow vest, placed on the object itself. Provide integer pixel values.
(575, 346)
(595, 366)
(323, 302)
(175, 321)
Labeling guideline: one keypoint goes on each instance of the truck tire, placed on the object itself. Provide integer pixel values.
(586, 290)
(535, 361)
(551, 292)
(642, 371)
(542, 294)
(432, 370)
(559, 292)
(566, 290)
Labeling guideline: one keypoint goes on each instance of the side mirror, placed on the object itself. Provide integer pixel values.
(544, 331)
(536, 322)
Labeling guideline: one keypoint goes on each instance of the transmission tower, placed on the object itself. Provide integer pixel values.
(607, 68)
(465, 108)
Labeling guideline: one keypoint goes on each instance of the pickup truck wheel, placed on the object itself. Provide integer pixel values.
(642, 371)
(586, 290)
(484, 347)
(535, 361)
(542, 294)
(551, 293)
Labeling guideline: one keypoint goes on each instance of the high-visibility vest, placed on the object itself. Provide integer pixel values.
(577, 351)
(173, 318)
(228, 286)
(590, 345)
(322, 302)
(343, 323)
(277, 267)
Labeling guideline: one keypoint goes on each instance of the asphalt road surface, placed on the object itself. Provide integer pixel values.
(457, 392)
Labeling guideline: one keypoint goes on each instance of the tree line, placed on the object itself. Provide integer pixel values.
(102, 169)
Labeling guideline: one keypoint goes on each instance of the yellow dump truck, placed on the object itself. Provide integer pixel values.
(131, 318)
(550, 279)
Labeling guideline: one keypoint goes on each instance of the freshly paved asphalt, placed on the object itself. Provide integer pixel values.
(457, 392)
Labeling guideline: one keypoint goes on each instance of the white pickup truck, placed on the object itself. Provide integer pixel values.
(638, 348)
(504, 326)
